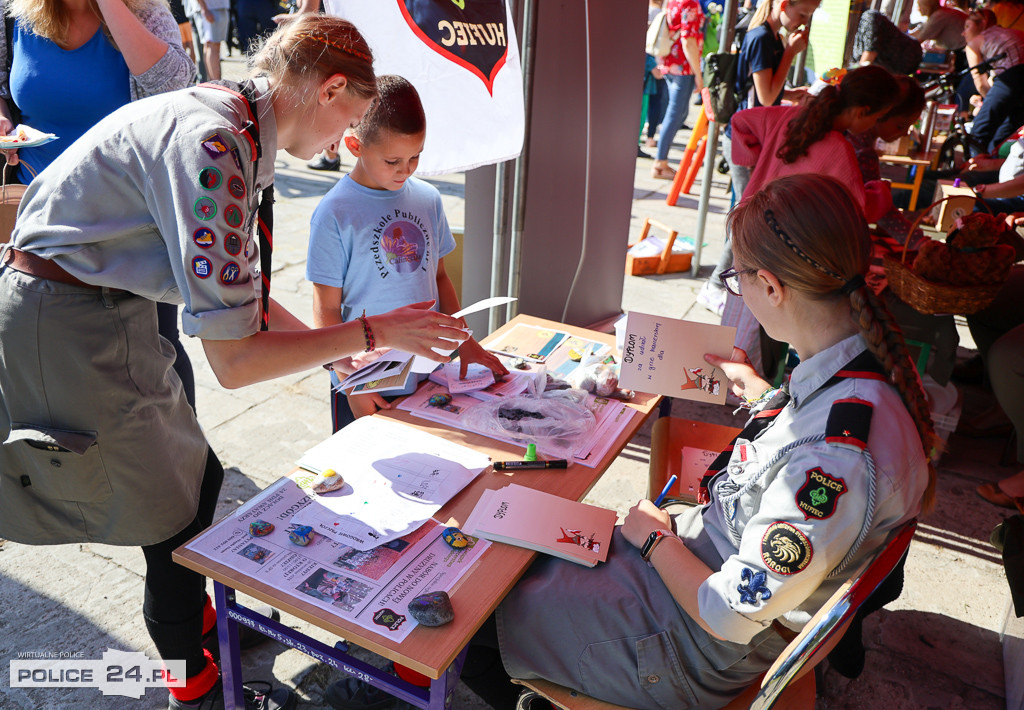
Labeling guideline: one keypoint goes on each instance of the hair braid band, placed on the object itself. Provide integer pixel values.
(316, 37)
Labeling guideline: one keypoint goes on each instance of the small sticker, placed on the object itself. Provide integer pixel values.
(233, 216)
(753, 586)
(202, 267)
(232, 244)
(203, 238)
(784, 549)
(215, 146)
(389, 618)
(236, 187)
(229, 274)
(210, 178)
(818, 497)
(205, 209)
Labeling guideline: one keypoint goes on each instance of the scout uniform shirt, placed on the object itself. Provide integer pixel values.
(816, 493)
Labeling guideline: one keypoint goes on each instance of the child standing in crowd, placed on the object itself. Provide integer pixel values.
(785, 140)
(761, 69)
(379, 237)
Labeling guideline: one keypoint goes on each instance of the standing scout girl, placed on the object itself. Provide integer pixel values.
(688, 611)
(378, 239)
(158, 202)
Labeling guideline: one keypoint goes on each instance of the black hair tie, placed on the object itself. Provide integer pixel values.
(852, 285)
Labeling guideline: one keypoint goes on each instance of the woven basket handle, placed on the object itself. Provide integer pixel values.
(926, 211)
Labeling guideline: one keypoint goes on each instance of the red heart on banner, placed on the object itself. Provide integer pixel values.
(474, 37)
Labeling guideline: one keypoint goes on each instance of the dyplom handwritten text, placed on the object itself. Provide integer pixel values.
(640, 355)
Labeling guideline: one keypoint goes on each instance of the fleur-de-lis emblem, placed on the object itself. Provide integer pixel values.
(753, 586)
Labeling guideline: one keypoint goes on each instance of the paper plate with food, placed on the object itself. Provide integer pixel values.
(25, 137)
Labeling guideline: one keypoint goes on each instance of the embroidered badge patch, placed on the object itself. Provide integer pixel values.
(232, 244)
(235, 157)
(753, 586)
(215, 146)
(818, 497)
(203, 238)
(233, 216)
(205, 209)
(784, 549)
(236, 186)
(202, 267)
(229, 274)
(210, 178)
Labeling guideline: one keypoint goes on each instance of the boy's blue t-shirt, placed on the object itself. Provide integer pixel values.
(380, 247)
(65, 92)
(762, 49)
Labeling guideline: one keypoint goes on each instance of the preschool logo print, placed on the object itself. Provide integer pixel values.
(470, 33)
(119, 672)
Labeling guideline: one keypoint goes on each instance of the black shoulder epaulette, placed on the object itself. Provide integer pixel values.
(849, 422)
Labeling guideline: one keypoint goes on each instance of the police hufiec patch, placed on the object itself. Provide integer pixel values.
(818, 497)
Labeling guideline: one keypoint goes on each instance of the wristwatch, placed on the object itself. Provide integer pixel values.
(647, 549)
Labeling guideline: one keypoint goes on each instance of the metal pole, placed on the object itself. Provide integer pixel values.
(519, 181)
(724, 45)
(501, 182)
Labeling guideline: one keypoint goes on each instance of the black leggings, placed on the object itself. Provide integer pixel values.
(167, 324)
(175, 595)
(484, 673)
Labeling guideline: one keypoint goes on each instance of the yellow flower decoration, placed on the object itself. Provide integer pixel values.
(834, 76)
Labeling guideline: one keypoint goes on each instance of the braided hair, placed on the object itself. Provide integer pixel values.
(825, 256)
(872, 87)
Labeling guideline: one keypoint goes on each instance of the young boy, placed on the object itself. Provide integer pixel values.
(379, 237)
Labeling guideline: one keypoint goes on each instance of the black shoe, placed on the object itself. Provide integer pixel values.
(247, 638)
(353, 694)
(698, 99)
(641, 154)
(970, 371)
(322, 162)
(258, 694)
(723, 167)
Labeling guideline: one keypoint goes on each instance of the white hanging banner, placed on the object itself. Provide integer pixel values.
(463, 58)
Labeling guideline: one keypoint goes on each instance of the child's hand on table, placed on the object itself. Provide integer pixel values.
(472, 351)
(367, 403)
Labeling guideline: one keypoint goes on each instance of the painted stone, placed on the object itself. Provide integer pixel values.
(259, 528)
(432, 609)
(328, 481)
(455, 538)
(301, 535)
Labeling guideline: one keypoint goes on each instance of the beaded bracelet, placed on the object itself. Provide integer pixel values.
(367, 333)
(764, 397)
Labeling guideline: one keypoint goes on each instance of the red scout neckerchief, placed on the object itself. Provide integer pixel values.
(849, 420)
(265, 214)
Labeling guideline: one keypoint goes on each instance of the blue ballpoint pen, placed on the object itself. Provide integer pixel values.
(664, 491)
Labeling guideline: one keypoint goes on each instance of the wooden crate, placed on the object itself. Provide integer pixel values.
(664, 263)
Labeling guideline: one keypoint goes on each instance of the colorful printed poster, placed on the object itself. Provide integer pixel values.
(665, 356)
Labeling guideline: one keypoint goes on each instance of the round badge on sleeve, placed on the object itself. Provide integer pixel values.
(203, 238)
(236, 187)
(232, 244)
(233, 216)
(202, 267)
(210, 178)
(205, 209)
(230, 273)
(785, 549)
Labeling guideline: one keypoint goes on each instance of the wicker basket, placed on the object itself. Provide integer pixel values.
(930, 297)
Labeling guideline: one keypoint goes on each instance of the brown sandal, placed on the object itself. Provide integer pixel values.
(994, 495)
(660, 173)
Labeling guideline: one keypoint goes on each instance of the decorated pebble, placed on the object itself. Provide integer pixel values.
(432, 609)
(328, 481)
(260, 528)
(440, 400)
(520, 364)
(455, 538)
(301, 535)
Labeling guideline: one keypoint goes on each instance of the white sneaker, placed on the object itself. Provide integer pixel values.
(712, 298)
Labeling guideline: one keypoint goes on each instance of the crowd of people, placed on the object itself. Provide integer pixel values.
(160, 195)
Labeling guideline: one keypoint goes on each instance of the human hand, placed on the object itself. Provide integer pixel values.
(283, 18)
(6, 128)
(367, 403)
(746, 383)
(208, 15)
(416, 329)
(797, 41)
(643, 519)
(472, 351)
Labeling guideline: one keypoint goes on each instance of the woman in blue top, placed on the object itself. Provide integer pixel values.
(72, 62)
(761, 69)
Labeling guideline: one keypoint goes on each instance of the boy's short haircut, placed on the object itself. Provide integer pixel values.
(397, 109)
